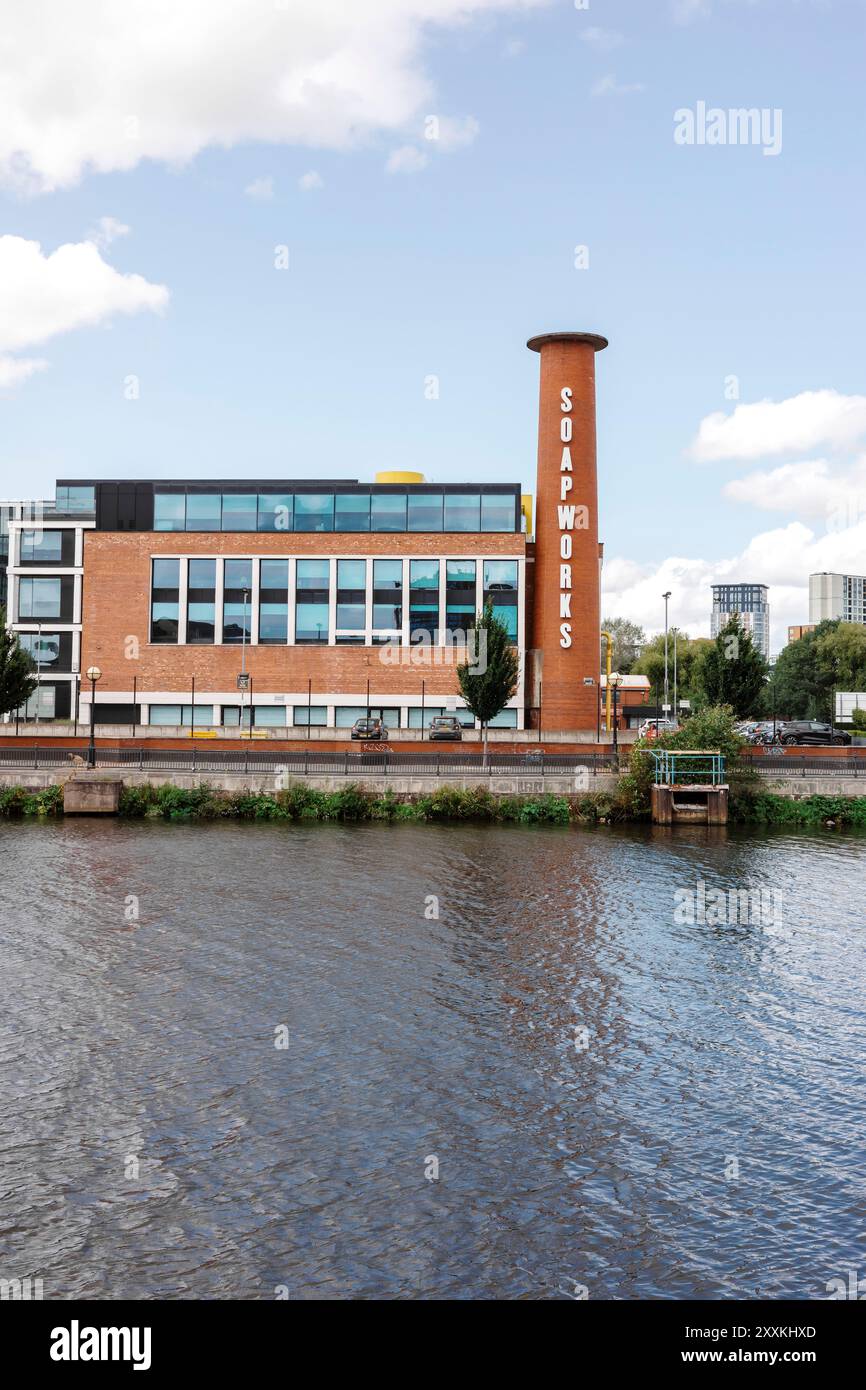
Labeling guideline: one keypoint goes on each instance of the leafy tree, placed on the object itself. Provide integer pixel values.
(16, 666)
(690, 653)
(712, 728)
(487, 691)
(628, 639)
(732, 670)
(858, 719)
(809, 671)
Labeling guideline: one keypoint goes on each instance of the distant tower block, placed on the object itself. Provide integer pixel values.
(566, 612)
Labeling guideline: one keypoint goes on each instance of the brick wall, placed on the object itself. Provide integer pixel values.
(115, 608)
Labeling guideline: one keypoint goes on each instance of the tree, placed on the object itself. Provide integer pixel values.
(17, 683)
(732, 670)
(489, 684)
(809, 671)
(628, 639)
(690, 652)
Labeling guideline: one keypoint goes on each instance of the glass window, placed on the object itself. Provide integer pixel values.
(462, 511)
(310, 715)
(164, 606)
(203, 511)
(313, 574)
(352, 574)
(44, 648)
(352, 512)
(424, 574)
(345, 715)
(240, 511)
(200, 621)
(497, 512)
(238, 574)
(351, 616)
(169, 511)
(276, 511)
(311, 622)
(314, 511)
(414, 713)
(269, 716)
(39, 598)
(425, 511)
(507, 615)
(274, 622)
(44, 546)
(41, 704)
(460, 574)
(505, 719)
(163, 621)
(500, 575)
(237, 620)
(387, 574)
(202, 574)
(75, 499)
(166, 574)
(388, 511)
(179, 715)
(274, 574)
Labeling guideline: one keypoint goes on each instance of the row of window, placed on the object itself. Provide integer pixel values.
(328, 511)
(312, 599)
(313, 716)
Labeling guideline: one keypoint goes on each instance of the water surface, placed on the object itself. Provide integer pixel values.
(155, 1143)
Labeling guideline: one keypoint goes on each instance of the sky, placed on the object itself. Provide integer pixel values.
(240, 240)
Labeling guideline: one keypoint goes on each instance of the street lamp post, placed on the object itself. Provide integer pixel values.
(38, 670)
(244, 666)
(93, 674)
(666, 699)
(614, 680)
(676, 633)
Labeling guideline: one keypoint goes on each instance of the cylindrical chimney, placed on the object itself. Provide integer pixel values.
(566, 613)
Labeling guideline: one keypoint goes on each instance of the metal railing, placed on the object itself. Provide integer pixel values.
(357, 764)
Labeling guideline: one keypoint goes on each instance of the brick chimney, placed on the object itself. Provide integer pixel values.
(566, 611)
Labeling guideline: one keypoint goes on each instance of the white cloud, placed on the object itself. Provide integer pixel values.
(608, 86)
(602, 39)
(261, 190)
(783, 559)
(513, 48)
(808, 421)
(15, 370)
(107, 230)
(406, 160)
(42, 296)
(98, 87)
(684, 11)
(809, 489)
(450, 132)
(309, 181)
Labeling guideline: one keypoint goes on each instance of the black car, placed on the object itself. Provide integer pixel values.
(810, 731)
(445, 726)
(369, 729)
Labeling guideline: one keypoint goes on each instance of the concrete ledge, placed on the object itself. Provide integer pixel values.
(92, 795)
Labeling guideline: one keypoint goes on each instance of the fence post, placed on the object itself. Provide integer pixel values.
(346, 764)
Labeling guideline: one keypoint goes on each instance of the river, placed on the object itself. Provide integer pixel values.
(244, 1061)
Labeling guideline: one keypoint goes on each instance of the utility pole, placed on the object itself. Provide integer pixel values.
(666, 699)
(676, 633)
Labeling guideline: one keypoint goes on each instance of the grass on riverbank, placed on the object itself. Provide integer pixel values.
(354, 803)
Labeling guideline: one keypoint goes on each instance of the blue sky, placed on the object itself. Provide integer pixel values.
(557, 130)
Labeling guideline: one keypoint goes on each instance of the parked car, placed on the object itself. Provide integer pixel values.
(810, 731)
(764, 732)
(369, 729)
(648, 728)
(445, 726)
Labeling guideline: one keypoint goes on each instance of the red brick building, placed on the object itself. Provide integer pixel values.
(312, 602)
